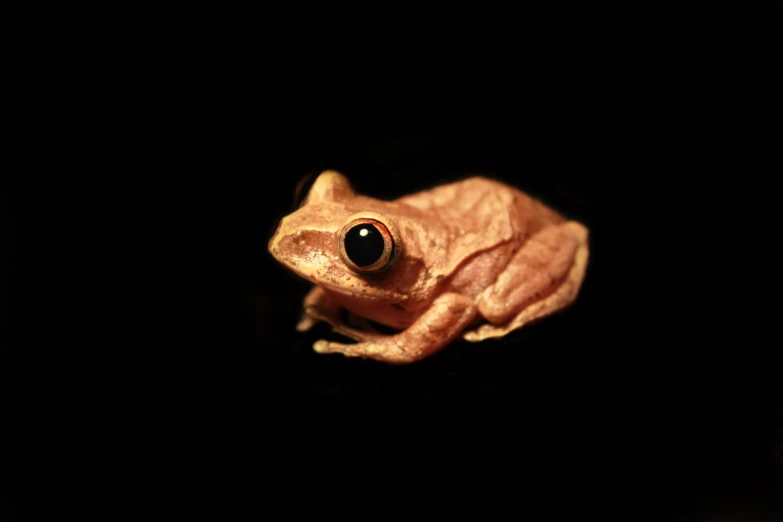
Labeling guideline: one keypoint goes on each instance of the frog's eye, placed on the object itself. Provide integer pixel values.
(367, 245)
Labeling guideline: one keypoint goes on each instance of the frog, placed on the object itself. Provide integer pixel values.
(474, 258)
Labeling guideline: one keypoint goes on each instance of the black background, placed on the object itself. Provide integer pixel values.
(152, 362)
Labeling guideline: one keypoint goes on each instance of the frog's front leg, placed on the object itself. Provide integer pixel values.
(319, 306)
(543, 277)
(442, 322)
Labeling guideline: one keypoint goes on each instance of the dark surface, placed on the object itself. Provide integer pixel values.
(153, 363)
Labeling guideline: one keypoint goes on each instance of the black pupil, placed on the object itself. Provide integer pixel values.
(364, 244)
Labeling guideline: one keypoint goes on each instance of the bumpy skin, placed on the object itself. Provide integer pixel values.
(478, 260)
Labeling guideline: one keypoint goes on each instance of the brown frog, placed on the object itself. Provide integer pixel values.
(475, 258)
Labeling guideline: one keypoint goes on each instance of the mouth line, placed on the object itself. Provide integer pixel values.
(372, 294)
(376, 295)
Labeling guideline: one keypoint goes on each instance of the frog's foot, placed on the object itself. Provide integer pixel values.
(439, 325)
(385, 350)
(557, 301)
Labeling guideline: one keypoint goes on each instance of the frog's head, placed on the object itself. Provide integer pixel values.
(343, 242)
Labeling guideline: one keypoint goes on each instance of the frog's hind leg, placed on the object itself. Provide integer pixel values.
(528, 289)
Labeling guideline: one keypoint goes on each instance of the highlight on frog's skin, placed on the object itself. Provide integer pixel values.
(368, 243)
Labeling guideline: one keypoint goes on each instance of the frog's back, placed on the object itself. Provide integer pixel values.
(478, 203)
(460, 220)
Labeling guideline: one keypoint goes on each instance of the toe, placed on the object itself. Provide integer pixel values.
(321, 346)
